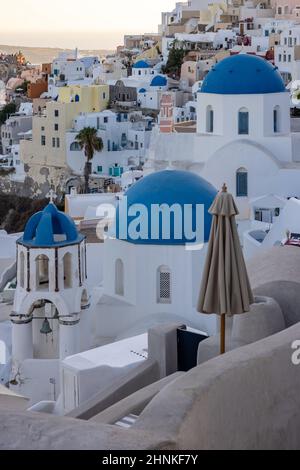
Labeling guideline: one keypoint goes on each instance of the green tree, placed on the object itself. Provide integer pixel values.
(175, 60)
(90, 143)
(24, 86)
(6, 111)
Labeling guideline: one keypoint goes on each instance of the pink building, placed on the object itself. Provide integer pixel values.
(166, 113)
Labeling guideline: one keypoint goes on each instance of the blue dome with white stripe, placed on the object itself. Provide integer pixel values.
(183, 191)
(141, 64)
(50, 228)
(243, 74)
(159, 80)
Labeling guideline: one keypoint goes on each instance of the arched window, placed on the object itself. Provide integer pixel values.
(42, 272)
(243, 121)
(164, 294)
(75, 147)
(119, 278)
(276, 119)
(242, 183)
(279, 11)
(83, 266)
(84, 300)
(209, 119)
(22, 270)
(67, 262)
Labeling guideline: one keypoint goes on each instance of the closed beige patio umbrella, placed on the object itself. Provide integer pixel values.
(225, 288)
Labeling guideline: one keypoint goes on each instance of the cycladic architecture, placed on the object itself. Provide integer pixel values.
(243, 127)
(50, 315)
(153, 267)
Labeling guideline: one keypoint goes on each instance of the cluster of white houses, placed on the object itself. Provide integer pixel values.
(230, 125)
(62, 306)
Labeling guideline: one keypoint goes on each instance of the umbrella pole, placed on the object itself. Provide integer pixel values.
(223, 334)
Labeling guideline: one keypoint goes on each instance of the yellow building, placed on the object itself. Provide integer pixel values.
(151, 54)
(48, 145)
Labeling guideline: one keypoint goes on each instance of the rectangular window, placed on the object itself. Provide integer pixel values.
(99, 169)
(284, 57)
(58, 142)
(210, 121)
(43, 140)
(289, 58)
(279, 57)
(104, 96)
(56, 127)
(53, 142)
(275, 121)
(56, 113)
(105, 120)
(243, 123)
(242, 184)
(164, 293)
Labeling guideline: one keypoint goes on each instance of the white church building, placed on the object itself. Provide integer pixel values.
(243, 134)
(153, 275)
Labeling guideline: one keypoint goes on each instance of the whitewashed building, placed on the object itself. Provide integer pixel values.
(243, 134)
(125, 136)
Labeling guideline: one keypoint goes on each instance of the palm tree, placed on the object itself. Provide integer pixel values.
(90, 143)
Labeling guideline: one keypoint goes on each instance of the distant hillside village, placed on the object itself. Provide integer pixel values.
(148, 87)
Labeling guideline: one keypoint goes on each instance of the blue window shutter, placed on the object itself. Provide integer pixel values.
(242, 184)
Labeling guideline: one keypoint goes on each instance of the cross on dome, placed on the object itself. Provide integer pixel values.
(51, 195)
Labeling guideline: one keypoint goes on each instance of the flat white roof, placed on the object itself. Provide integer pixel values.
(128, 352)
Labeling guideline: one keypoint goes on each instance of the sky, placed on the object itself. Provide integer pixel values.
(87, 24)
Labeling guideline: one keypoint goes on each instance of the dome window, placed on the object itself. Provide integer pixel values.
(243, 121)
(209, 120)
(22, 270)
(42, 272)
(67, 262)
(276, 120)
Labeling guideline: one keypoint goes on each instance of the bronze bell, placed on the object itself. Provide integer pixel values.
(46, 329)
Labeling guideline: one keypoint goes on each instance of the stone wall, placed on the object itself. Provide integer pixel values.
(38, 181)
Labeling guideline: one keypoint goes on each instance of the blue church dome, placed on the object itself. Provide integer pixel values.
(188, 191)
(159, 80)
(50, 228)
(243, 74)
(141, 64)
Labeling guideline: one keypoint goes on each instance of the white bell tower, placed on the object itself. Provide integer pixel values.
(50, 315)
